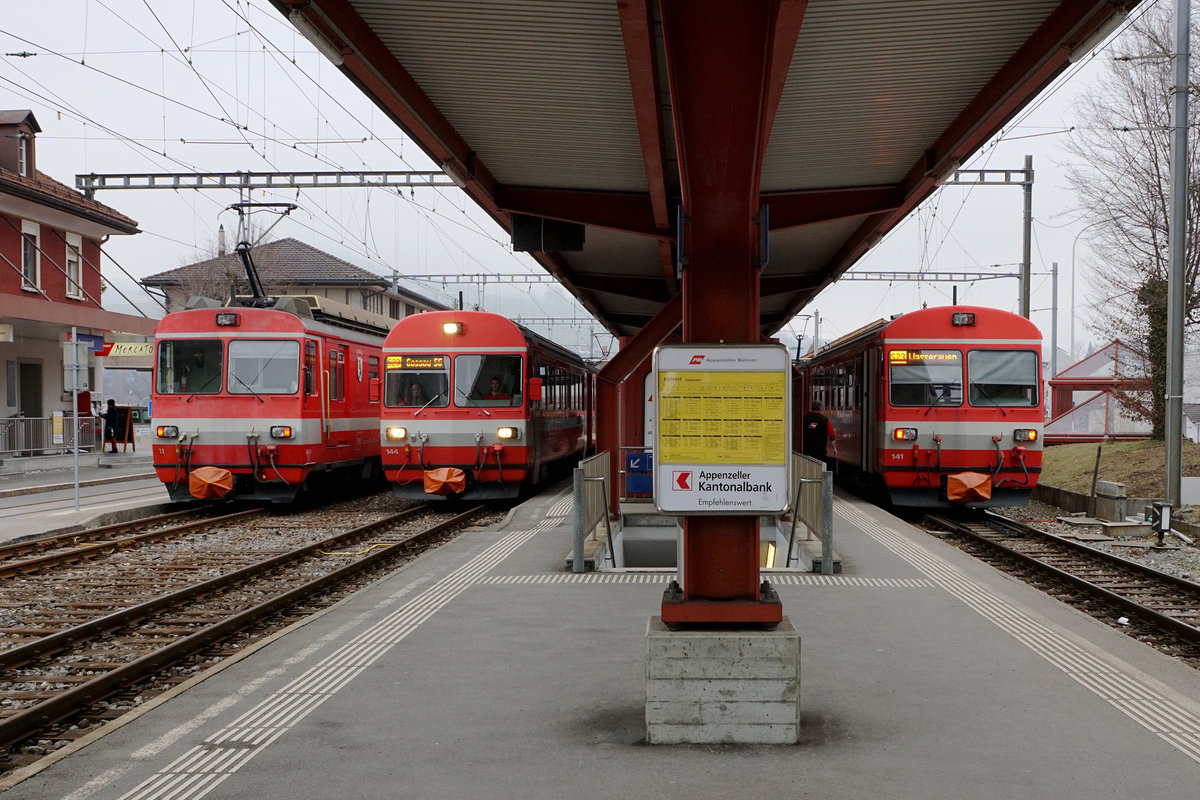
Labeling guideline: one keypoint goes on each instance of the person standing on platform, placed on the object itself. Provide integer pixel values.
(820, 439)
(110, 424)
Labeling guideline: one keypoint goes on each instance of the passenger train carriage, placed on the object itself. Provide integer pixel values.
(941, 407)
(477, 407)
(257, 403)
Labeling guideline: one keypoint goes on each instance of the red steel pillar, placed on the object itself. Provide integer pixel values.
(719, 56)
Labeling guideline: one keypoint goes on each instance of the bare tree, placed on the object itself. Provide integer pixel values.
(1122, 140)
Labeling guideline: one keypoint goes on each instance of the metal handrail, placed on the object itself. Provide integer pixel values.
(589, 510)
(816, 513)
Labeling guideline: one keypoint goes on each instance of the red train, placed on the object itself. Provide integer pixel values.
(259, 403)
(939, 407)
(477, 407)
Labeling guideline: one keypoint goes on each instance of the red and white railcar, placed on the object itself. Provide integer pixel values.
(477, 407)
(258, 403)
(941, 406)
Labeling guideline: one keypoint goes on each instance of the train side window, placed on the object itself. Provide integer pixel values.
(1002, 378)
(337, 373)
(310, 367)
(373, 379)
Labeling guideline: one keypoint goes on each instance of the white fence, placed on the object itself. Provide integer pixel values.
(39, 436)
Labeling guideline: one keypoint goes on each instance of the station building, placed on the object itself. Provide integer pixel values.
(50, 281)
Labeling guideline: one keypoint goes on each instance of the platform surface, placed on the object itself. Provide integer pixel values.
(484, 670)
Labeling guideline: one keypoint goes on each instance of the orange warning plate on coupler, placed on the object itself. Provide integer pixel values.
(210, 483)
(445, 480)
(969, 487)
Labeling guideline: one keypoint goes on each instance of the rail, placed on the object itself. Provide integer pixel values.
(591, 506)
(33, 436)
(812, 488)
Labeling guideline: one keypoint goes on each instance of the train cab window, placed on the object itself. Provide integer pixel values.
(925, 377)
(416, 382)
(189, 366)
(1002, 378)
(487, 380)
(263, 367)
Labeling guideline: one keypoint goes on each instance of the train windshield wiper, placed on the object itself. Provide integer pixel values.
(422, 408)
(204, 386)
(467, 397)
(937, 401)
(234, 375)
(983, 392)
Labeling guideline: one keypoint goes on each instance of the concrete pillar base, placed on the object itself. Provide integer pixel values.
(722, 686)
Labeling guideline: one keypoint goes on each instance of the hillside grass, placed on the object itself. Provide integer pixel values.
(1141, 466)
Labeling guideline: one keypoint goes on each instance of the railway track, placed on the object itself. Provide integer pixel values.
(1159, 609)
(35, 555)
(61, 677)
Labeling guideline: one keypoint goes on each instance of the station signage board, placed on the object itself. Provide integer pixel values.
(722, 444)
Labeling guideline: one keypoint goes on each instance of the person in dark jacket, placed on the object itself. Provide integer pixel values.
(819, 434)
(110, 424)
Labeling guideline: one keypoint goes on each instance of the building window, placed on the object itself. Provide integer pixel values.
(22, 155)
(74, 246)
(30, 260)
(409, 309)
(394, 308)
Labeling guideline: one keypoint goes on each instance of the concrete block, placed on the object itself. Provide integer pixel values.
(723, 734)
(722, 686)
(1110, 489)
(718, 691)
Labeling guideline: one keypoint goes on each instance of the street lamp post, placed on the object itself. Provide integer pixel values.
(1081, 230)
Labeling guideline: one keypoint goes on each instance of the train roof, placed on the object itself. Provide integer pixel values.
(482, 329)
(291, 314)
(936, 324)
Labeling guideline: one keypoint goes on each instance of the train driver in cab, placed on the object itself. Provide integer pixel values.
(415, 396)
(495, 392)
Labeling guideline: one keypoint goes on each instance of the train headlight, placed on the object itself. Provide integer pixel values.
(395, 433)
(904, 434)
(508, 433)
(282, 432)
(1025, 435)
(452, 328)
(167, 431)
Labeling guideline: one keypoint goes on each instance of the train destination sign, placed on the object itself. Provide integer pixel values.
(416, 362)
(723, 433)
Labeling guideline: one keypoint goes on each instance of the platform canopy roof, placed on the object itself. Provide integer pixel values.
(562, 111)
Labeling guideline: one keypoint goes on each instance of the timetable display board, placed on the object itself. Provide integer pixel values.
(722, 440)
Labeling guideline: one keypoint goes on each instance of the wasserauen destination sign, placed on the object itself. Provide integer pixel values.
(724, 428)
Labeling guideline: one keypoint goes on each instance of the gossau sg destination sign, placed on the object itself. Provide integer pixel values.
(723, 433)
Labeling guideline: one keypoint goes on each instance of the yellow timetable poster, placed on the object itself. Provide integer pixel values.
(716, 417)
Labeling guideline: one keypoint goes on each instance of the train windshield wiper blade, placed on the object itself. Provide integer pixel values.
(467, 397)
(201, 389)
(937, 401)
(234, 375)
(983, 392)
(422, 408)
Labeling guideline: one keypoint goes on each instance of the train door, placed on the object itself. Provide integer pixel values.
(867, 411)
(335, 394)
(312, 403)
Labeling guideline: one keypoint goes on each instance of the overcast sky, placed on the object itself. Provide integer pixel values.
(122, 87)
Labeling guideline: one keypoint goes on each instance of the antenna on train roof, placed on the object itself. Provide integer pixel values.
(259, 298)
